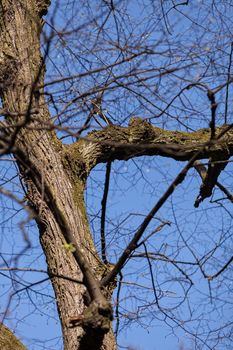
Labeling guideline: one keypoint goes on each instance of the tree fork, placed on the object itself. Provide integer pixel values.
(41, 159)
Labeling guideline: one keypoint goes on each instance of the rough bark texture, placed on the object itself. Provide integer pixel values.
(55, 190)
(141, 138)
(8, 341)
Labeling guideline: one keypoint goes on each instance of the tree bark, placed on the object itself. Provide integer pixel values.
(54, 185)
(8, 340)
(140, 138)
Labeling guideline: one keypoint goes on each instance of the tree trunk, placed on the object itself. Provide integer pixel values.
(54, 183)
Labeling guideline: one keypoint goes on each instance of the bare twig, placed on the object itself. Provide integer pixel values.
(103, 212)
(133, 243)
(228, 83)
(221, 270)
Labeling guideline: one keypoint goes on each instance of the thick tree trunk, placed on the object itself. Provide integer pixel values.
(54, 184)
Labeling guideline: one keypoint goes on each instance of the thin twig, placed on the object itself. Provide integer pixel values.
(151, 272)
(51, 275)
(133, 243)
(103, 212)
(117, 304)
(159, 228)
(228, 83)
(210, 278)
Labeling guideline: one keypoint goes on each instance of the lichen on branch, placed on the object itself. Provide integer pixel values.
(140, 138)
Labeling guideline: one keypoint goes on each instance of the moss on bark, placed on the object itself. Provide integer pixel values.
(8, 340)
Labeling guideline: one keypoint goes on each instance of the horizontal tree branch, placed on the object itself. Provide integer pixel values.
(140, 138)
